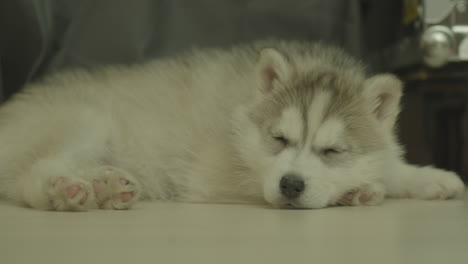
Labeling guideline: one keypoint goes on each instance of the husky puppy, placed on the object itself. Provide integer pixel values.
(292, 124)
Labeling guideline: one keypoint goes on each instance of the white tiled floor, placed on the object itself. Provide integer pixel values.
(404, 231)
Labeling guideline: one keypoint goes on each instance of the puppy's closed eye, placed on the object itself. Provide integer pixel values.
(282, 140)
(331, 151)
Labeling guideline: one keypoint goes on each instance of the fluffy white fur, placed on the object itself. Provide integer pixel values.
(182, 129)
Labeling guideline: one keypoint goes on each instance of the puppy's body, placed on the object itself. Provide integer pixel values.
(294, 124)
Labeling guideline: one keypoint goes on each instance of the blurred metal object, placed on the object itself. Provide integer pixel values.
(427, 33)
(438, 44)
(445, 34)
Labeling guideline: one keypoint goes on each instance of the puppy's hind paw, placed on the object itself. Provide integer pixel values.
(115, 188)
(70, 194)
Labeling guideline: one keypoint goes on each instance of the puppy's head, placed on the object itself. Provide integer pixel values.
(317, 127)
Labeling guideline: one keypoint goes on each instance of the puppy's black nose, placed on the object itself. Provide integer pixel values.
(291, 186)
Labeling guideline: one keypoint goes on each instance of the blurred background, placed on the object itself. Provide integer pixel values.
(424, 42)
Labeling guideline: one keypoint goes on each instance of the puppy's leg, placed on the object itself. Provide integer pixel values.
(409, 181)
(54, 184)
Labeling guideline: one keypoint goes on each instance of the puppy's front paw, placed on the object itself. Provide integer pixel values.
(369, 194)
(438, 184)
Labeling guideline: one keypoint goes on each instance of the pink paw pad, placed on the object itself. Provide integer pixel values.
(115, 189)
(126, 196)
(98, 187)
(73, 193)
(73, 190)
(366, 197)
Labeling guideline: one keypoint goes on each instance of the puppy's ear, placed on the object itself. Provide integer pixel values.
(383, 93)
(272, 67)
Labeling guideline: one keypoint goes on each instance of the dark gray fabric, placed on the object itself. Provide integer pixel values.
(21, 41)
(45, 36)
